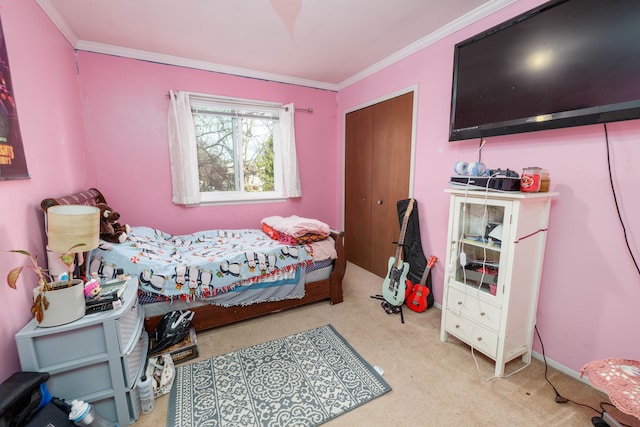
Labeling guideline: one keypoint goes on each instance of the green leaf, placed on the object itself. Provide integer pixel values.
(67, 259)
(19, 251)
(76, 246)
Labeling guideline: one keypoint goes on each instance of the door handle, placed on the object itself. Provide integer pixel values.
(379, 201)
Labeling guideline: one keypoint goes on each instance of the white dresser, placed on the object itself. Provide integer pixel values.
(98, 358)
(495, 249)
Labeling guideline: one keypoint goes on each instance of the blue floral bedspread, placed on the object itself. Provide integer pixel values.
(197, 265)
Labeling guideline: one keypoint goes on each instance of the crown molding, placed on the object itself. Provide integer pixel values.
(456, 25)
(58, 21)
(200, 65)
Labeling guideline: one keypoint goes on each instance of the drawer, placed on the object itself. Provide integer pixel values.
(129, 326)
(133, 362)
(50, 350)
(123, 408)
(479, 311)
(82, 381)
(476, 336)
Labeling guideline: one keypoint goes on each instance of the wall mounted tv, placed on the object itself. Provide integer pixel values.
(564, 63)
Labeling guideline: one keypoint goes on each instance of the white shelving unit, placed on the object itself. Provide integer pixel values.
(495, 249)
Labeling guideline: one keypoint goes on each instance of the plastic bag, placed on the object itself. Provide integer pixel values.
(162, 371)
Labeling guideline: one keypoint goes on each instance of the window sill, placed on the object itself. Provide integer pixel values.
(239, 199)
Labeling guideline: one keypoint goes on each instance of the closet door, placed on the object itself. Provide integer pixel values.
(358, 181)
(377, 162)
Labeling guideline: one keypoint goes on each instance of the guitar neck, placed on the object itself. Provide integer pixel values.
(423, 279)
(432, 260)
(403, 231)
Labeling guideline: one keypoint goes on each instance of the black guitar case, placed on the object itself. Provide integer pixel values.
(412, 247)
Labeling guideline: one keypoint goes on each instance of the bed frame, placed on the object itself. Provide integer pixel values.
(210, 316)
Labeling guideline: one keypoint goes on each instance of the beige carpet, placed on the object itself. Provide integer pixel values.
(434, 383)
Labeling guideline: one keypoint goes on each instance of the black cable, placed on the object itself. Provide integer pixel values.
(615, 200)
(613, 406)
(559, 398)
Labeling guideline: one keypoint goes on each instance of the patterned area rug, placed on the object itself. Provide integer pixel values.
(304, 379)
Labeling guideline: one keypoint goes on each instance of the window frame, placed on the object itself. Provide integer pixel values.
(240, 197)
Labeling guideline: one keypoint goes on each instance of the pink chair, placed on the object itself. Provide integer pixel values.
(620, 379)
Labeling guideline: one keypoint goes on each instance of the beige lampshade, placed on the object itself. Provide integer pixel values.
(69, 225)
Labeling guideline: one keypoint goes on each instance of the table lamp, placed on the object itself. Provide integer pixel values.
(70, 225)
(70, 229)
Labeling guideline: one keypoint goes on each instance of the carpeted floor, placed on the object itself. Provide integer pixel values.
(434, 383)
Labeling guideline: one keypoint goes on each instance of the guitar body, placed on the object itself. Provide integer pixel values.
(409, 288)
(418, 300)
(394, 286)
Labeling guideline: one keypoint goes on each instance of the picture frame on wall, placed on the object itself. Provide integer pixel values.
(13, 164)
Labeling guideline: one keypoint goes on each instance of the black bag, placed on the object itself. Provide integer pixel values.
(20, 396)
(412, 247)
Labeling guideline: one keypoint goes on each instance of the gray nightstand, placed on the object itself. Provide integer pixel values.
(98, 358)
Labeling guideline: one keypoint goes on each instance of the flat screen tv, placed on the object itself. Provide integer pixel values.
(564, 63)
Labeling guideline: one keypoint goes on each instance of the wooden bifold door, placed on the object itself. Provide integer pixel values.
(377, 174)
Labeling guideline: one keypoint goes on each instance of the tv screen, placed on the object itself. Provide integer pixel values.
(565, 63)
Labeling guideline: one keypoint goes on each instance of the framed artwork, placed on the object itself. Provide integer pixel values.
(13, 164)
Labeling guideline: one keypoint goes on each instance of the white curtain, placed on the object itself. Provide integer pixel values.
(289, 158)
(186, 187)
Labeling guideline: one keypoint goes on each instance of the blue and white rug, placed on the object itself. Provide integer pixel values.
(304, 379)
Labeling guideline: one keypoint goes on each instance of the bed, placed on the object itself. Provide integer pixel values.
(228, 290)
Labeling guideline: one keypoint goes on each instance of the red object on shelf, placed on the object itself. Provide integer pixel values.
(488, 270)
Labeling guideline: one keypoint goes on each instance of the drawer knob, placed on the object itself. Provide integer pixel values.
(479, 338)
(459, 302)
(457, 326)
(482, 313)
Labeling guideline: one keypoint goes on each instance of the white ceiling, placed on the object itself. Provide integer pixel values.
(327, 44)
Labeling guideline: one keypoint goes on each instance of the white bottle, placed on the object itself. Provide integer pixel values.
(145, 391)
(83, 414)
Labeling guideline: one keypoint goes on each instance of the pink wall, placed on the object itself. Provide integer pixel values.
(46, 92)
(590, 287)
(125, 103)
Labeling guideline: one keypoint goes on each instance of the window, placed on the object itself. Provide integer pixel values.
(236, 151)
(231, 150)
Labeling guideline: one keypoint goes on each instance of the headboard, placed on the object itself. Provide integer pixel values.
(89, 197)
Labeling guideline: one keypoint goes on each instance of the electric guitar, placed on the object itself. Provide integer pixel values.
(394, 284)
(417, 300)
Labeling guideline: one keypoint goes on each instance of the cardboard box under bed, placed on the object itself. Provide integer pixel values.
(186, 349)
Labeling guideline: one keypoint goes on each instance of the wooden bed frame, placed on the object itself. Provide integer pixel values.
(210, 316)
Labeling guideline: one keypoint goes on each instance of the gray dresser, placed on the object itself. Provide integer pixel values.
(98, 358)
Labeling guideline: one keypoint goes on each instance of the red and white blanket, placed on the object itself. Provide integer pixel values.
(295, 230)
